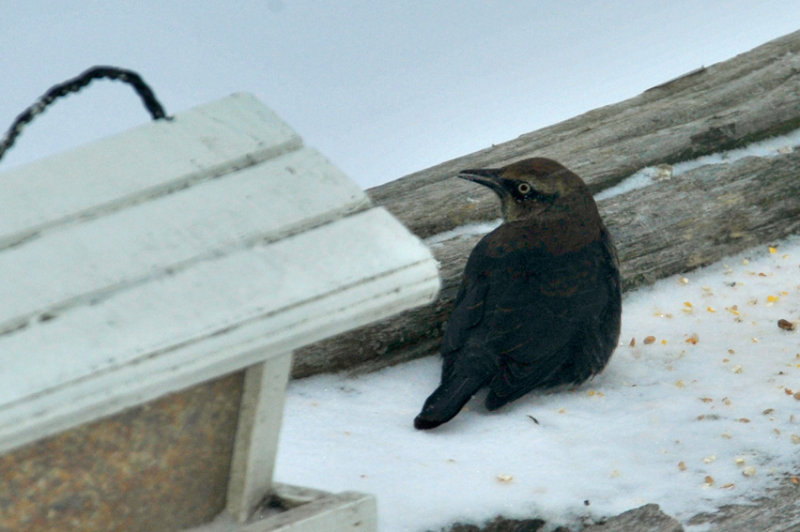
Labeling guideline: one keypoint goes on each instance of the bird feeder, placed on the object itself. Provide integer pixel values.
(154, 287)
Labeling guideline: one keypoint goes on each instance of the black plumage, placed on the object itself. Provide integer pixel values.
(539, 303)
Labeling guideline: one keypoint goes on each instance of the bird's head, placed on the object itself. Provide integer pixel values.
(530, 187)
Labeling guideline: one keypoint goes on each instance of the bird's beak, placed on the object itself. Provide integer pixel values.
(489, 177)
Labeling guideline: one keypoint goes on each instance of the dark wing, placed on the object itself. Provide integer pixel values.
(470, 302)
(545, 321)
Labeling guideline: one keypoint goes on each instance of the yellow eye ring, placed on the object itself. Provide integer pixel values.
(523, 188)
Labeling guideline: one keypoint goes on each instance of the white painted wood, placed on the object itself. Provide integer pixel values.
(257, 435)
(69, 265)
(307, 511)
(181, 251)
(218, 316)
(148, 161)
(347, 511)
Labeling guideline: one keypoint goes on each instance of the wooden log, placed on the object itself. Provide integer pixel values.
(663, 229)
(666, 228)
(723, 106)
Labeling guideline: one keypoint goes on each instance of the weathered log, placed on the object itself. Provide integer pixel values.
(666, 228)
(723, 106)
(777, 511)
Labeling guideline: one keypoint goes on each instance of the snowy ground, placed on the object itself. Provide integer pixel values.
(697, 408)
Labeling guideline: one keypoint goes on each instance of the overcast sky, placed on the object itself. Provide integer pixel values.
(381, 88)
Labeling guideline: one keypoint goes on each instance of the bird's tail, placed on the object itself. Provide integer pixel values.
(447, 400)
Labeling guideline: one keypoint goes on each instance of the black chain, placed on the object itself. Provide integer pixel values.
(74, 85)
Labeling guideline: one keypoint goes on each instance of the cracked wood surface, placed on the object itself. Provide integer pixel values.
(668, 227)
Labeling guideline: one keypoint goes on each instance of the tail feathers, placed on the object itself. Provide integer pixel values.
(446, 401)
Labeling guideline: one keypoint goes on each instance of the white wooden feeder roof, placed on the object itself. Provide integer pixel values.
(177, 252)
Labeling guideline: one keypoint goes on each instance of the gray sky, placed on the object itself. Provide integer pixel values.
(381, 88)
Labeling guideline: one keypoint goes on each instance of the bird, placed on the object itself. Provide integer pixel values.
(539, 303)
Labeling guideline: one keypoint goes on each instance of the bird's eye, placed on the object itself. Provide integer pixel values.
(524, 188)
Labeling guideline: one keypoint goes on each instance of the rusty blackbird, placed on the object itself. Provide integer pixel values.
(539, 303)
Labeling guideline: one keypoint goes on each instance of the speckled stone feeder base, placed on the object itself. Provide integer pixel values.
(160, 466)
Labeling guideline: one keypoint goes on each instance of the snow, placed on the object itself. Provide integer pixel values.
(766, 148)
(702, 416)
(698, 415)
